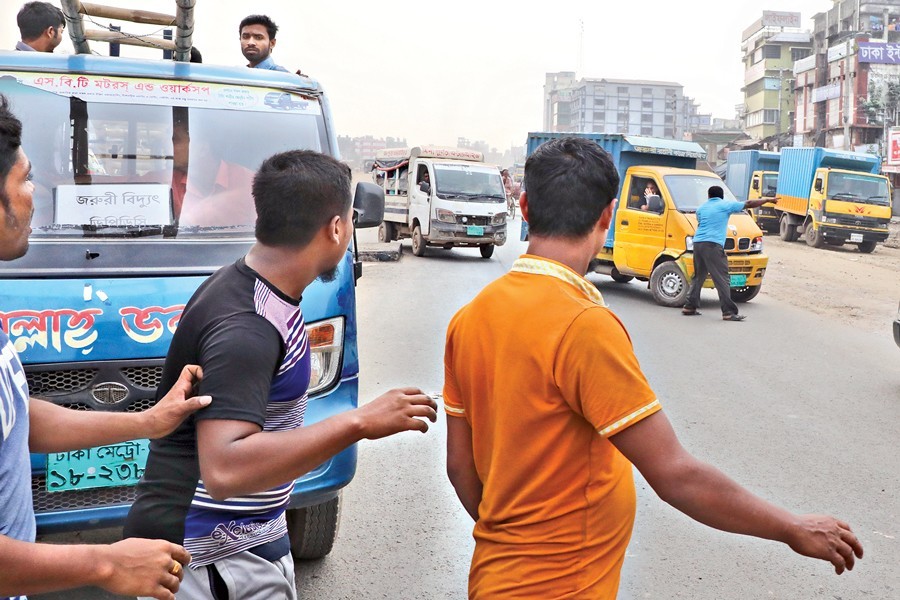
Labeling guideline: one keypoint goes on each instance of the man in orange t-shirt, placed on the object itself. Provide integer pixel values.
(549, 409)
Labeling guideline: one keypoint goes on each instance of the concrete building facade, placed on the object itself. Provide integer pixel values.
(629, 106)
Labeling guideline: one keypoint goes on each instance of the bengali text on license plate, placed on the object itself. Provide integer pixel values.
(475, 230)
(738, 280)
(104, 466)
(856, 237)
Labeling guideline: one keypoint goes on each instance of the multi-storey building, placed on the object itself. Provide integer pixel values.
(635, 107)
(770, 47)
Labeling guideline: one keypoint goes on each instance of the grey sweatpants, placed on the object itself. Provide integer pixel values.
(247, 577)
(709, 258)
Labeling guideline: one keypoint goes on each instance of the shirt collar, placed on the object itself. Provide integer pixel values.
(536, 265)
(24, 47)
(267, 63)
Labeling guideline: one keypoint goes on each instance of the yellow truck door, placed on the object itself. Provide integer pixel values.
(640, 224)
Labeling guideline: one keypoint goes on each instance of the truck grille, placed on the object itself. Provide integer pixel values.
(859, 221)
(54, 384)
(742, 244)
(45, 501)
(470, 220)
(737, 267)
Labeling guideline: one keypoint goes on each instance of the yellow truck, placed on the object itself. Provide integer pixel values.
(832, 197)
(753, 175)
(652, 234)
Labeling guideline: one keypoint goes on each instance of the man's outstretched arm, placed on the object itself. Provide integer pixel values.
(461, 465)
(705, 494)
(57, 429)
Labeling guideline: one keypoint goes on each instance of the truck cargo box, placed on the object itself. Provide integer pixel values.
(742, 164)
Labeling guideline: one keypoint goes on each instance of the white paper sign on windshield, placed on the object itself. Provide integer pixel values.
(113, 205)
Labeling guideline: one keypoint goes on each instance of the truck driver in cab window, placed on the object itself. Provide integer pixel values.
(643, 200)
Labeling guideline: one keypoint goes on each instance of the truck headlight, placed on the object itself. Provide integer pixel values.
(498, 219)
(445, 216)
(832, 220)
(756, 245)
(689, 243)
(326, 345)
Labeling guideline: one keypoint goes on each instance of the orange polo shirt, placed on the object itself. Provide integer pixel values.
(544, 373)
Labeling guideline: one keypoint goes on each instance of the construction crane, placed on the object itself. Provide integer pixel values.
(183, 21)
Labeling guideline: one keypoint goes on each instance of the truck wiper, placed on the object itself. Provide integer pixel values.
(843, 195)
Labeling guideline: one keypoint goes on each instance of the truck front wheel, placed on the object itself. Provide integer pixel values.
(787, 231)
(668, 284)
(746, 293)
(487, 250)
(618, 277)
(814, 236)
(385, 232)
(418, 242)
(313, 529)
(867, 247)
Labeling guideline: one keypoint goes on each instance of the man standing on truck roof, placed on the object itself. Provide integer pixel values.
(257, 33)
(221, 483)
(130, 567)
(41, 27)
(709, 251)
(542, 458)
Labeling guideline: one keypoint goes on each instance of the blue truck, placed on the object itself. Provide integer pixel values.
(751, 175)
(142, 173)
(832, 197)
(651, 238)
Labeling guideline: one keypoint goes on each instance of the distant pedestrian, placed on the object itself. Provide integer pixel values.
(41, 27)
(257, 34)
(709, 251)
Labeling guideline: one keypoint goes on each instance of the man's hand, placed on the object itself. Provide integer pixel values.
(138, 567)
(175, 406)
(826, 538)
(396, 411)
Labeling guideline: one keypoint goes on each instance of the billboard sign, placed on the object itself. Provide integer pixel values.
(775, 18)
(893, 153)
(880, 53)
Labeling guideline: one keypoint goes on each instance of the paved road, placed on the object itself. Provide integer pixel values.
(800, 409)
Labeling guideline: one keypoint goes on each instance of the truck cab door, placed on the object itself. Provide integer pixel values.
(640, 225)
(419, 198)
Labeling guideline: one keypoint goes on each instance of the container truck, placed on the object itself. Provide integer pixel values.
(832, 197)
(751, 175)
(652, 237)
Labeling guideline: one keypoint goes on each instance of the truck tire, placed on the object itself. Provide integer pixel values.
(746, 293)
(618, 277)
(814, 236)
(787, 231)
(313, 529)
(418, 242)
(668, 284)
(487, 250)
(385, 232)
(867, 247)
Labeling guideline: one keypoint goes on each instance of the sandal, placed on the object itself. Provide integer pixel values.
(733, 317)
(690, 312)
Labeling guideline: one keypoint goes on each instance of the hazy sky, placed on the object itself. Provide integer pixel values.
(435, 71)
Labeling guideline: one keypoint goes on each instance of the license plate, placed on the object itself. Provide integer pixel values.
(738, 280)
(104, 466)
(475, 230)
(856, 237)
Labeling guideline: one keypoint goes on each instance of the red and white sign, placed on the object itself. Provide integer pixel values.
(893, 150)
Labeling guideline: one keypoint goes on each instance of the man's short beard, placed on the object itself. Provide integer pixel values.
(329, 275)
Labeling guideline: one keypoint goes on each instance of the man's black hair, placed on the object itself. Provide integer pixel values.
(10, 141)
(715, 191)
(296, 194)
(269, 24)
(569, 183)
(35, 17)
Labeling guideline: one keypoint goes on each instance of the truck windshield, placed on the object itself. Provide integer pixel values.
(769, 185)
(467, 182)
(690, 191)
(121, 168)
(858, 187)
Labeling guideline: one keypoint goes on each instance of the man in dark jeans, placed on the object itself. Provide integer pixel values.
(709, 251)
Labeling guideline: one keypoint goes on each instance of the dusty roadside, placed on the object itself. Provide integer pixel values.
(854, 288)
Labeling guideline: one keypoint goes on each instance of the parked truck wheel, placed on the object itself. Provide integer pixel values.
(814, 236)
(867, 247)
(746, 293)
(668, 284)
(787, 231)
(618, 277)
(418, 242)
(313, 529)
(487, 250)
(385, 232)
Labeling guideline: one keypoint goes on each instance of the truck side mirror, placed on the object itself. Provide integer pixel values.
(654, 204)
(425, 187)
(368, 205)
(755, 184)
(818, 185)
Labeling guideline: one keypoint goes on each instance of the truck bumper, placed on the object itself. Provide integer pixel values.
(746, 270)
(459, 235)
(845, 233)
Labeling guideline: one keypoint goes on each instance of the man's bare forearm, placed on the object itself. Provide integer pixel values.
(468, 489)
(37, 568)
(58, 429)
